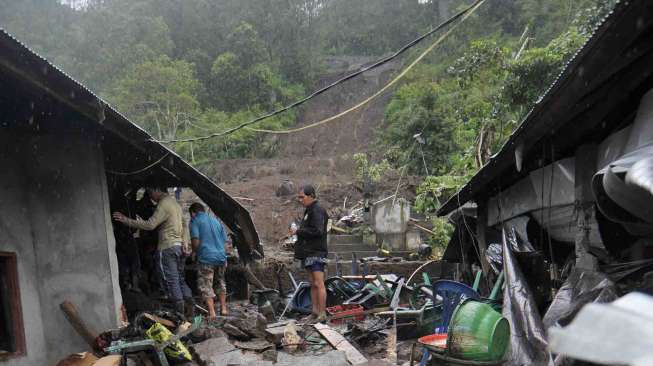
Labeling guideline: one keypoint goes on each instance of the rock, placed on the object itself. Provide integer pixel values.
(270, 355)
(252, 323)
(256, 345)
(377, 363)
(286, 188)
(205, 352)
(332, 358)
(236, 357)
(205, 332)
(217, 322)
(291, 339)
(259, 363)
(216, 333)
(235, 332)
(274, 332)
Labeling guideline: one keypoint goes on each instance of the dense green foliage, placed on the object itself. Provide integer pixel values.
(183, 68)
(465, 112)
(192, 67)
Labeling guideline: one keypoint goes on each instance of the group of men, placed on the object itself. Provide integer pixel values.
(208, 238)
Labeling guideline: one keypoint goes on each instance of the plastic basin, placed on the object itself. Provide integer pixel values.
(434, 342)
(478, 333)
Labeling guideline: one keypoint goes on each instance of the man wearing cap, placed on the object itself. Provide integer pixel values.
(311, 248)
(169, 222)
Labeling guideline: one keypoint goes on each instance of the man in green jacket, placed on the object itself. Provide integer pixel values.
(169, 222)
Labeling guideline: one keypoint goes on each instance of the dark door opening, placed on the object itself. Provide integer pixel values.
(12, 333)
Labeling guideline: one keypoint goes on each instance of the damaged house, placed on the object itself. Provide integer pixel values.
(67, 158)
(575, 177)
(574, 182)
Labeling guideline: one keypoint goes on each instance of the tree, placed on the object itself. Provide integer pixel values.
(246, 78)
(160, 95)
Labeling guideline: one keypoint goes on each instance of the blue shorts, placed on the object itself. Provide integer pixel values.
(314, 264)
(315, 267)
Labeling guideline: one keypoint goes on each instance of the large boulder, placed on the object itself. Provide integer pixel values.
(286, 188)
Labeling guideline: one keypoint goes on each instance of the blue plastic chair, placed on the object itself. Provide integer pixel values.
(452, 293)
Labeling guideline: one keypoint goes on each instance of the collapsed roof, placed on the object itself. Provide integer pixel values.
(132, 156)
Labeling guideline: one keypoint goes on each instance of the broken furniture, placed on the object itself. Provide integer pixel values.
(474, 330)
(338, 290)
(342, 312)
(340, 343)
(158, 348)
(451, 293)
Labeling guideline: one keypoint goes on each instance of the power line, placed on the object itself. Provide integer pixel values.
(379, 92)
(466, 12)
(139, 170)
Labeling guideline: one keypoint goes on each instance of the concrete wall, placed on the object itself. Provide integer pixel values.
(72, 245)
(16, 234)
(390, 219)
(390, 223)
(413, 240)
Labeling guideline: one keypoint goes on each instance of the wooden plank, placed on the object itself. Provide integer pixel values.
(339, 342)
(359, 277)
(70, 311)
(158, 319)
(395, 297)
(366, 312)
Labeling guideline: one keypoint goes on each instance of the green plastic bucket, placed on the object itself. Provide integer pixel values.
(477, 332)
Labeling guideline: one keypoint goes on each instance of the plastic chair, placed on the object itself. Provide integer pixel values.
(451, 293)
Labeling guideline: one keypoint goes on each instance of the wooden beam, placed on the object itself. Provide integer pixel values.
(169, 324)
(481, 240)
(88, 334)
(339, 342)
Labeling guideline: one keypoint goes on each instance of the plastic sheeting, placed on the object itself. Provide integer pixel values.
(528, 344)
(580, 288)
(618, 333)
(549, 186)
(517, 239)
(628, 199)
(548, 195)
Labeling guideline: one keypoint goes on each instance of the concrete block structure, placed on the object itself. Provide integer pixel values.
(64, 153)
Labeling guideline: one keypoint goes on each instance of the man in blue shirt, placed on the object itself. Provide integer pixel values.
(208, 238)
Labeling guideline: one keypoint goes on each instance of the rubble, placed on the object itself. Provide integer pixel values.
(256, 345)
(332, 358)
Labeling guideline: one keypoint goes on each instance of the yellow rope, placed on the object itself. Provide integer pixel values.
(382, 90)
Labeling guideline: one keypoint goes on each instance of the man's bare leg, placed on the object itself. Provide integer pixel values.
(223, 303)
(318, 280)
(314, 294)
(211, 305)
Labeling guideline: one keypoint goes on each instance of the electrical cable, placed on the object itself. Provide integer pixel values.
(113, 172)
(382, 90)
(464, 14)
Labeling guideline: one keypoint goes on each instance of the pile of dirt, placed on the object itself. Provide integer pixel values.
(321, 156)
(254, 183)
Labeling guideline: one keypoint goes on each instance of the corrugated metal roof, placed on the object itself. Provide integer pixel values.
(34, 70)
